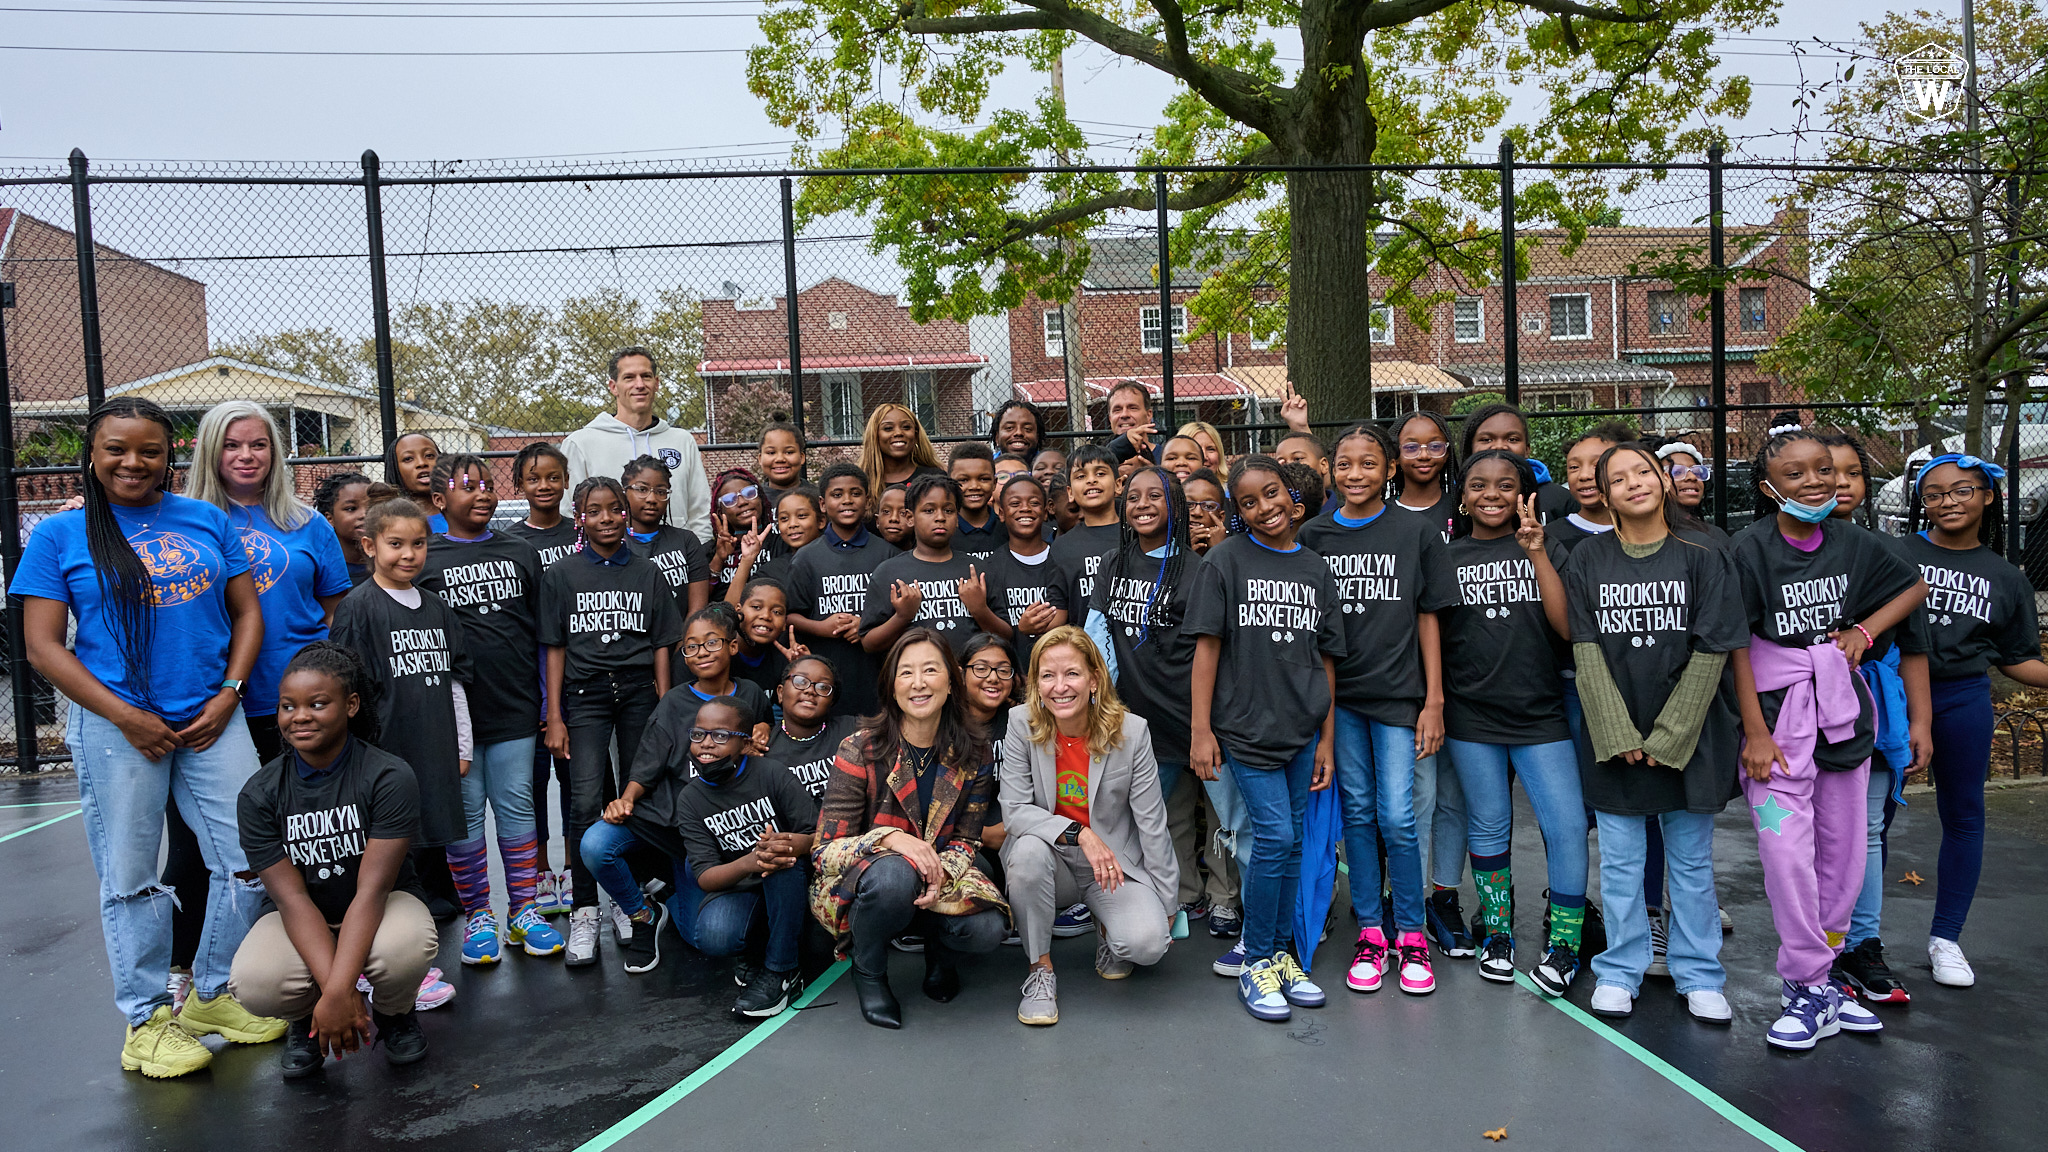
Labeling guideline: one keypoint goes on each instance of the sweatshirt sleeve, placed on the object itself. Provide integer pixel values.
(465, 732)
(1607, 718)
(1677, 732)
(693, 498)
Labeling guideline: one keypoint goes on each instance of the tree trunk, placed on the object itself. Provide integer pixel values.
(1329, 303)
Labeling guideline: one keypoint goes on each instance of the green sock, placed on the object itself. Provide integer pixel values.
(1567, 925)
(1496, 893)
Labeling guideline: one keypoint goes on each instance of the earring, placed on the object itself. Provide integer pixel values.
(1461, 509)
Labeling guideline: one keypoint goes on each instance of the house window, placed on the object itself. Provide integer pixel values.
(1055, 333)
(842, 404)
(1392, 405)
(1148, 328)
(1382, 324)
(922, 398)
(1668, 313)
(1468, 320)
(1571, 317)
(1556, 401)
(1752, 304)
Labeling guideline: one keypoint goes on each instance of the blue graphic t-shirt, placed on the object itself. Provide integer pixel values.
(191, 553)
(292, 571)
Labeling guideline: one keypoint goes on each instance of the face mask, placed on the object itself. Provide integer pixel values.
(719, 773)
(1804, 513)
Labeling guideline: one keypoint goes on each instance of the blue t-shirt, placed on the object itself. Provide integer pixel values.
(191, 553)
(292, 571)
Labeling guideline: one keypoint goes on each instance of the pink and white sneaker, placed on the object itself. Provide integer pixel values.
(1369, 963)
(434, 991)
(1417, 978)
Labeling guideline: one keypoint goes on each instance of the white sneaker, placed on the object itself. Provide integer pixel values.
(1609, 1000)
(622, 925)
(582, 938)
(179, 985)
(1951, 968)
(1709, 1005)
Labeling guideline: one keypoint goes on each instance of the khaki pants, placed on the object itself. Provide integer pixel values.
(1047, 877)
(270, 979)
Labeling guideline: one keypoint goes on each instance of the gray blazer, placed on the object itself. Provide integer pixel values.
(1125, 806)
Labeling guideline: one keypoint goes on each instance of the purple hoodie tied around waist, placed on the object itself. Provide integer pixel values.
(1820, 693)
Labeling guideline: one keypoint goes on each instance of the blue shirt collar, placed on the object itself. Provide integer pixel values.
(644, 537)
(994, 522)
(1348, 522)
(618, 559)
(308, 772)
(454, 539)
(1270, 548)
(857, 541)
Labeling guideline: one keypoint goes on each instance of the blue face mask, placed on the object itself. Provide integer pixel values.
(1804, 513)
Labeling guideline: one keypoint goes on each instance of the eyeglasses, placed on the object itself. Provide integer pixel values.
(803, 683)
(992, 671)
(715, 735)
(1210, 506)
(1960, 494)
(711, 645)
(1700, 472)
(1412, 449)
(645, 490)
(732, 498)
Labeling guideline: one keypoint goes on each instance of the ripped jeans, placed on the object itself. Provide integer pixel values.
(123, 793)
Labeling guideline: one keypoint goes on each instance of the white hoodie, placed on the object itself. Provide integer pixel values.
(607, 444)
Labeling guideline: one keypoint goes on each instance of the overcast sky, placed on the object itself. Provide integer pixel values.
(221, 107)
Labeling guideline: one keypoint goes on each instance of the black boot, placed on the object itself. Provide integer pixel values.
(877, 1004)
(401, 1037)
(941, 975)
(302, 1057)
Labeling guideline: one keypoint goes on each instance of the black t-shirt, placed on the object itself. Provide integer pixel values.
(1438, 514)
(322, 824)
(1382, 572)
(827, 577)
(1563, 531)
(1277, 615)
(1979, 610)
(980, 543)
(1501, 656)
(552, 543)
(1155, 653)
(676, 551)
(609, 616)
(1796, 598)
(761, 669)
(416, 656)
(493, 587)
(771, 546)
(939, 582)
(662, 765)
(1554, 501)
(1080, 552)
(809, 762)
(1649, 615)
(1025, 583)
(720, 823)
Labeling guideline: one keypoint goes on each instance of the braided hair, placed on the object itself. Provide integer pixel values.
(1389, 452)
(346, 667)
(584, 489)
(1444, 475)
(1307, 486)
(329, 490)
(1169, 573)
(1785, 436)
(1481, 415)
(1251, 462)
(1863, 461)
(126, 594)
(1990, 530)
(1525, 478)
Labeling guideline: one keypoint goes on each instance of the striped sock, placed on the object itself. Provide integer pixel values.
(470, 863)
(521, 858)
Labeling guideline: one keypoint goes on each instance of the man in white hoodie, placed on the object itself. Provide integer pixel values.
(610, 441)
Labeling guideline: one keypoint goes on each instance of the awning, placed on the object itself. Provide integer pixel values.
(1187, 387)
(1269, 381)
(885, 361)
(1560, 374)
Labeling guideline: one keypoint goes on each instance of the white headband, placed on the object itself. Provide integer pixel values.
(1781, 429)
(1666, 451)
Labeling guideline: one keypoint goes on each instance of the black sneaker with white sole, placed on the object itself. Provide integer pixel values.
(768, 993)
(1444, 920)
(1497, 958)
(642, 950)
(908, 942)
(1553, 974)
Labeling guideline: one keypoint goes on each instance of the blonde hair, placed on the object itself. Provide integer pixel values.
(922, 454)
(1215, 438)
(1105, 711)
(278, 502)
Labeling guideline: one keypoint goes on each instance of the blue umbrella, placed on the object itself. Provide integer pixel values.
(1321, 827)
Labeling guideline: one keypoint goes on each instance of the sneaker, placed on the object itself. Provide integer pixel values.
(224, 1016)
(1368, 961)
(565, 893)
(643, 949)
(401, 1037)
(1225, 922)
(582, 937)
(1553, 974)
(1852, 1016)
(531, 931)
(1951, 968)
(1809, 1016)
(1612, 1000)
(743, 972)
(1417, 977)
(908, 942)
(162, 1048)
(1041, 1003)
(1075, 920)
(622, 925)
(302, 1057)
(768, 993)
(1497, 958)
(1727, 923)
(1660, 943)
(480, 939)
(1012, 938)
(1196, 909)
(433, 992)
(1107, 965)
(179, 985)
(546, 897)
(1709, 1005)
(1862, 971)
(1231, 963)
(1445, 922)
(1260, 988)
(1295, 984)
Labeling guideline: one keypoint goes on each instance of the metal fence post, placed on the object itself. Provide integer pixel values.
(1165, 302)
(1511, 324)
(88, 282)
(1717, 321)
(10, 553)
(2016, 392)
(796, 353)
(380, 301)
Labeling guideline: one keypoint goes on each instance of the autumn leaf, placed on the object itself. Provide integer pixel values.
(1912, 878)
(1496, 1135)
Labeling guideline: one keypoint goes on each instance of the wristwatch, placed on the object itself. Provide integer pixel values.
(240, 686)
(1071, 836)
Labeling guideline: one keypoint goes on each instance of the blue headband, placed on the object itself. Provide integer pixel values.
(1962, 460)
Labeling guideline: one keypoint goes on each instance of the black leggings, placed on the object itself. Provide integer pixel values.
(185, 869)
(598, 711)
(884, 906)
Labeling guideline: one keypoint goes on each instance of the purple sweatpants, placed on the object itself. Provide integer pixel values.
(1810, 834)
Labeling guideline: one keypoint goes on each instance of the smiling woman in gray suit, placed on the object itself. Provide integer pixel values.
(1085, 818)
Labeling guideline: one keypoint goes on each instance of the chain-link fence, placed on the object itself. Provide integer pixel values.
(480, 303)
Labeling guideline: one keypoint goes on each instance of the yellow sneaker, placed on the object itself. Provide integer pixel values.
(225, 1015)
(162, 1048)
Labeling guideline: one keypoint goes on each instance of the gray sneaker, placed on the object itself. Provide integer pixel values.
(1041, 1003)
(1660, 943)
(1108, 966)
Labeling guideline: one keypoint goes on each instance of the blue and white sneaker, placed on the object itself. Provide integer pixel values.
(546, 899)
(1811, 1016)
(1075, 920)
(1295, 984)
(1852, 1015)
(1231, 963)
(531, 930)
(1263, 992)
(1225, 922)
(480, 939)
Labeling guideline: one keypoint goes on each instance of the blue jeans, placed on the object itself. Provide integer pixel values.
(1235, 836)
(1275, 800)
(503, 774)
(1694, 951)
(1376, 773)
(123, 794)
(1550, 778)
(1440, 815)
(714, 923)
(1869, 911)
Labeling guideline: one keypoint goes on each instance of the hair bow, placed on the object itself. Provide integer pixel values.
(1962, 460)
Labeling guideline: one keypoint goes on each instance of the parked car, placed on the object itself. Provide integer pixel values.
(2031, 533)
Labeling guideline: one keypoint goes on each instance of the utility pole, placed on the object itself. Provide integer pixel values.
(1070, 311)
(1979, 382)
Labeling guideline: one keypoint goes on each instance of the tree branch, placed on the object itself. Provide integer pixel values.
(971, 25)
(1980, 356)
(1607, 15)
(1201, 194)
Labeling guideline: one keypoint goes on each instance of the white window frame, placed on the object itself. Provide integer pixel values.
(1681, 312)
(921, 396)
(1763, 316)
(1477, 320)
(1148, 328)
(1053, 327)
(1277, 340)
(844, 413)
(1381, 324)
(1402, 404)
(1566, 400)
(1586, 299)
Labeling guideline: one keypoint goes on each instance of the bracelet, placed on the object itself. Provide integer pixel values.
(1868, 642)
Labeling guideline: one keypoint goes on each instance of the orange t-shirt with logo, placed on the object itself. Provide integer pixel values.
(1070, 778)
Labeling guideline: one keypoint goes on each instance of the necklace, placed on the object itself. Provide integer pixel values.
(784, 725)
(157, 511)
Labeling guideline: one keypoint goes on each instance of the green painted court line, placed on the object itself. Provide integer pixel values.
(1659, 1065)
(41, 804)
(44, 824)
(713, 1067)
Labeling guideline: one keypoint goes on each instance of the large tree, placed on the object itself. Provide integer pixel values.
(1386, 81)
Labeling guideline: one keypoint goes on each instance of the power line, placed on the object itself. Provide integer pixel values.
(411, 15)
(297, 52)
